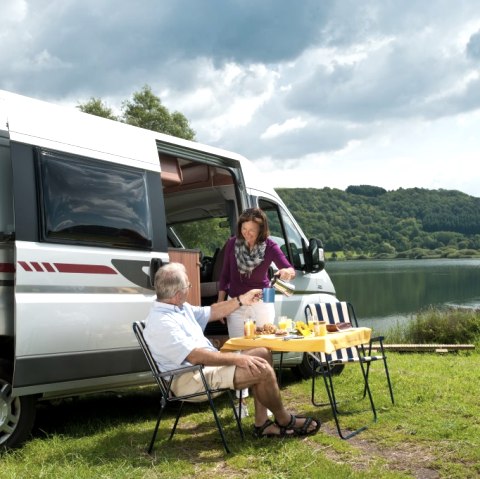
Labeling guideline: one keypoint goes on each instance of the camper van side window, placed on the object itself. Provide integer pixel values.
(84, 201)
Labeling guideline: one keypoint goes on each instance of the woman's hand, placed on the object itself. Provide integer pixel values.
(286, 274)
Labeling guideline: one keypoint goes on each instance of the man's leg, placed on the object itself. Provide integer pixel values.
(264, 386)
(266, 392)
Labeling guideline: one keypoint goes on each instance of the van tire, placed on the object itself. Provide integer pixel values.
(304, 369)
(17, 414)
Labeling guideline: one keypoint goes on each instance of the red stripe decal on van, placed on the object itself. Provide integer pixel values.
(25, 265)
(84, 268)
(7, 268)
(37, 266)
(49, 267)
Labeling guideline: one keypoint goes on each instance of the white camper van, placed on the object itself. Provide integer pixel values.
(89, 209)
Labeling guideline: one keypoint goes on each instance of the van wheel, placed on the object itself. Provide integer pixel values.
(17, 414)
(304, 369)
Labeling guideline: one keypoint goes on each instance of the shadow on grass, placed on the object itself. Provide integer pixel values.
(103, 410)
(107, 409)
(113, 428)
(120, 424)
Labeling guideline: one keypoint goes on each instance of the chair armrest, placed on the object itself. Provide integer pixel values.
(368, 346)
(180, 371)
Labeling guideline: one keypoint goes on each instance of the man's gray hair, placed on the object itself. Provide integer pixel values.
(170, 279)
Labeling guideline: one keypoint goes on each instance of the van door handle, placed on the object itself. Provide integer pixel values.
(155, 263)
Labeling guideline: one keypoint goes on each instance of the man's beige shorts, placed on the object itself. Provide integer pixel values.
(191, 383)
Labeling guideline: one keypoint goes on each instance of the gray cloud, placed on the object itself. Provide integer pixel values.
(347, 70)
(473, 46)
(100, 45)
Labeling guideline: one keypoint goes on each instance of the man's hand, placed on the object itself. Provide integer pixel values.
(251, 297)
(252, 363)
(225, 308)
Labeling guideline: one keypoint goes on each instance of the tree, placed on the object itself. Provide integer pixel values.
(146, 111)
(95, 106)
(361, 221)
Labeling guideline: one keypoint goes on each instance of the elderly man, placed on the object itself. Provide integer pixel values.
(174, 333)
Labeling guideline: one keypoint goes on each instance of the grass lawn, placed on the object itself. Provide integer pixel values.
(433, 431)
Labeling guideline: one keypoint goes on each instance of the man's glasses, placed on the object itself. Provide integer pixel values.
(189, 285)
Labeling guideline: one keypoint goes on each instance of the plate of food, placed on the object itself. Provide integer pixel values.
(337, 327)
(269, 330)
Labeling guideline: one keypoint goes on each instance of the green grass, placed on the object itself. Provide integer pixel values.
(434, 426)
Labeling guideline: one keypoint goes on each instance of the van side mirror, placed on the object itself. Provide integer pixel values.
(314, 256)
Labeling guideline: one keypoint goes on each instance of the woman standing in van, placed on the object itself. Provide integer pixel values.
(246, 261)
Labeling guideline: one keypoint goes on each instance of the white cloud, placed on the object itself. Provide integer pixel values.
(213, 106)
(370, 92)
(13, 11)
(278, 129)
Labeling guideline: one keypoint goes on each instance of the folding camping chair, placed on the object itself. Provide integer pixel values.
(164, 381)
(343, 312)
(336, 314)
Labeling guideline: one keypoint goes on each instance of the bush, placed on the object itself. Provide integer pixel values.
(468, 252)
(444, 326)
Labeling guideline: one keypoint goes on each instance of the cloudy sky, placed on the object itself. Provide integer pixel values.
(316, 92)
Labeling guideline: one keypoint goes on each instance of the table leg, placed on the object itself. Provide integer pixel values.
(279, 375)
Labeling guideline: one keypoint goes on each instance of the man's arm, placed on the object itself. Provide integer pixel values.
(216, 358)
(224, 308)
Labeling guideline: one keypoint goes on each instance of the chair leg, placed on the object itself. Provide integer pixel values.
(238, 417)
(174, 427)
(366, 376)
(240, 404)
(387, 374)
(329, 386)
(331, 396)
(367, 387)
(315, 360)
(388, 379)
(217, 421)
(215, 415)
(155, 431)
(384, 359)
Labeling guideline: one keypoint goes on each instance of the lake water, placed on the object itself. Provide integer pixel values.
(391, 291)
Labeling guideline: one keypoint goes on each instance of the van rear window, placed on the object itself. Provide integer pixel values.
(93, 202)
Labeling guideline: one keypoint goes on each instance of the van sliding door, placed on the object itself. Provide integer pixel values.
(84, 243)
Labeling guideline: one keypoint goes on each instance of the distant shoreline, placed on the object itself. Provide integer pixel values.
(426, 254)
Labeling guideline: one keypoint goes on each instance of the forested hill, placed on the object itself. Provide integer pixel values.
(368, 220)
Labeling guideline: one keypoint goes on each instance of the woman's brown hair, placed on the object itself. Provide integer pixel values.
(258, 216)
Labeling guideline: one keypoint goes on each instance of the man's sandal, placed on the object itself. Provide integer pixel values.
(302, 430)
(259, 431)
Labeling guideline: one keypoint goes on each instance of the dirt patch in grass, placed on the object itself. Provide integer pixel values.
(407, 458)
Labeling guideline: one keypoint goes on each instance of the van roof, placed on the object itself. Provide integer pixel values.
(67, 129)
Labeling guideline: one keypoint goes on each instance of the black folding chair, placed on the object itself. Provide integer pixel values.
(343, 312)
(164, 380)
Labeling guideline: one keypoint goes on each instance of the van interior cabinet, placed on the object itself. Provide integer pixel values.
(190, 258)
